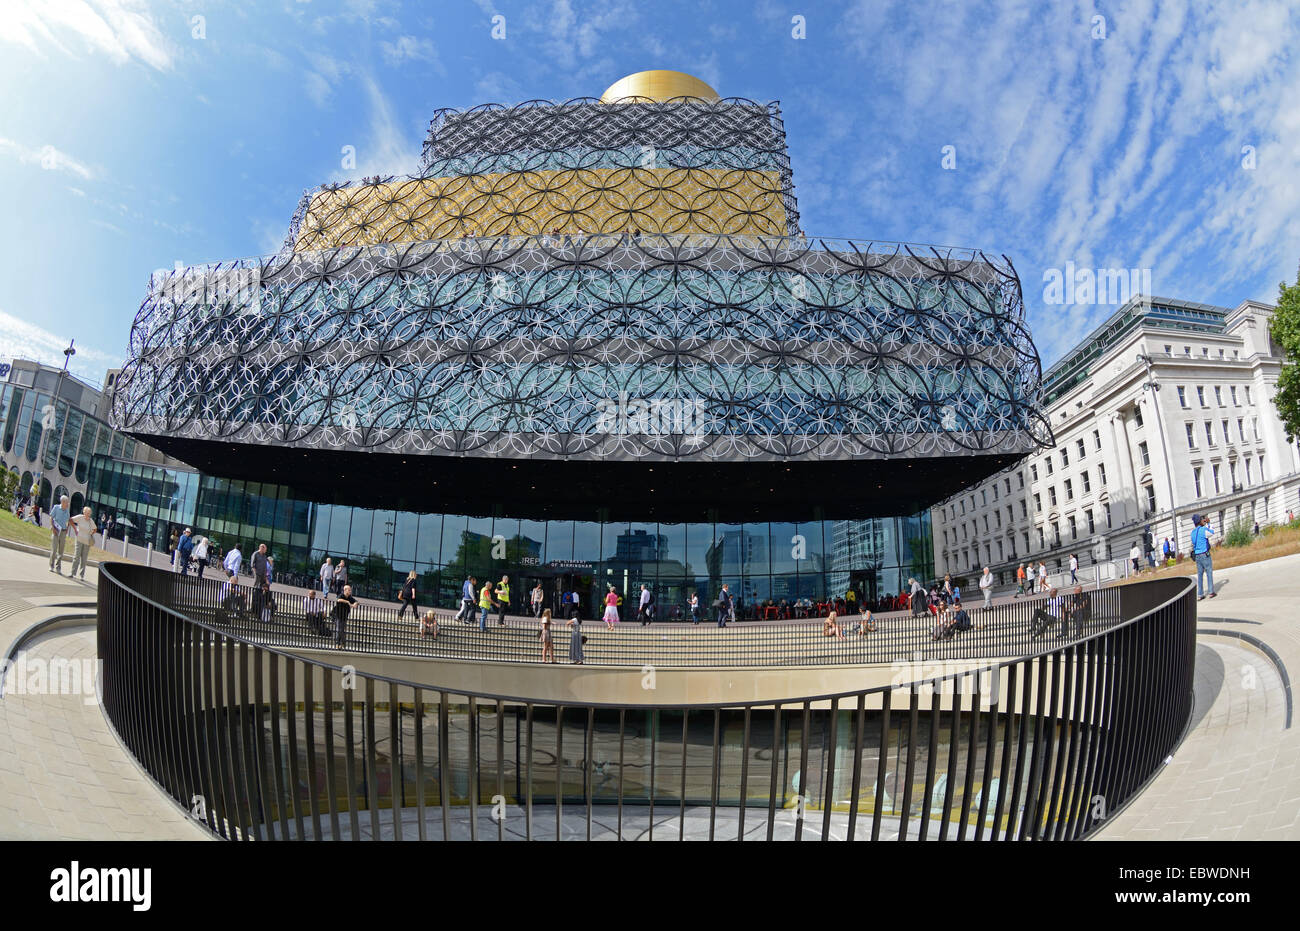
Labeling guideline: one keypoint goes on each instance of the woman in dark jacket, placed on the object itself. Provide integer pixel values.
(407, 596)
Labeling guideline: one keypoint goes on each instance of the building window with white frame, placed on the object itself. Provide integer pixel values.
(1209, 433)
(1106, 507)
(1191, 436)
(1151, 498)
(1200, 395)
(1227, 434)
(1241, 428)
(1137, 415)
(1038, 504)
(1196, 479)
(1249, 478)
(1247, 390)
(1101, 473)
(1218, 395)
(1092, 524)
(1087, 485)
(1182, 396)
(1233, 392)
(1065, 458)
(1069, 490)
(1083, 450)
(1074, 528)
(1142, 451)
(1051, 496)
(1096, 439)
(1218, 487)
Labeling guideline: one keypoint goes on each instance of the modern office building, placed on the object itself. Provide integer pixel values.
(52, 424)
(1163, 411)
(587, 342)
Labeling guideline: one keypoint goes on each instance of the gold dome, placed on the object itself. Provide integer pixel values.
(658, 85)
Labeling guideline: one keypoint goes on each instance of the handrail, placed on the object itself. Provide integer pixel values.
(216, 717)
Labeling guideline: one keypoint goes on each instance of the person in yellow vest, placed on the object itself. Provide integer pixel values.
(503, 599)
(485, 602)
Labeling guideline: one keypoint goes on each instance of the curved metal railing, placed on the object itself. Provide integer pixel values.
(258, 743)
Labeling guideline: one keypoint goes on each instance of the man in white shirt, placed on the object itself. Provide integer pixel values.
(83, 527)
(234, 559)
(314, 608)
(58, 533)
(986, 586)
(327, 575)
(1074, 569)
(1042, 577)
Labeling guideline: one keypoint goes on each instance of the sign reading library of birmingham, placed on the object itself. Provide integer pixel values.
(550, 261)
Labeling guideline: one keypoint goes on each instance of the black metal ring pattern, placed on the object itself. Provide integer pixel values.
(774, 348)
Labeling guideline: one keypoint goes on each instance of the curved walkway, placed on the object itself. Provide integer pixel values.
(63, 775)
(1237, 774)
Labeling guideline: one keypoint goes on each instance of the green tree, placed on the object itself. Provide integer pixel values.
(1285, 330)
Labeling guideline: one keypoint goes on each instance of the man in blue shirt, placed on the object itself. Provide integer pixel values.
(58, 533)
(1201, 531)
(468, 596)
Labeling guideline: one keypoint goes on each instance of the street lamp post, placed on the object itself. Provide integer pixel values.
(46, 430)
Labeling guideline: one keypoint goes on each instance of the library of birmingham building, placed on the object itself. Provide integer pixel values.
(587, 342)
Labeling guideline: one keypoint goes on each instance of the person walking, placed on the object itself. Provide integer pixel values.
(234, 559)
(695, 607)
(575, 640)
(1020, 580)
(58, 534)
(643, 606)
(1167, 549)
(611, 608)
(485, 603)
(1074, 568)
(340, 576)
(83, 530)
(1135, 556)
(259, 565)
(342, 610)
(986, 588)
(503, 599)
(326, 575)
(1201, 533)
(200, 556)
(184, 550)
(407, 596)
(536, 599)
(723, 605)
(1042, 577)
(468, 595)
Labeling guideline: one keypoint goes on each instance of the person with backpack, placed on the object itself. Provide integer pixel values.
(1201, 533)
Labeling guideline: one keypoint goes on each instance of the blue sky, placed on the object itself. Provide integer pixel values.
(1163, 136)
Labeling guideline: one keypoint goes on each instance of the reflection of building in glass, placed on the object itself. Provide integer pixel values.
(857, 557)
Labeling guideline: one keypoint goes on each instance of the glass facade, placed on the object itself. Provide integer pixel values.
(817, 560)
(61, 454)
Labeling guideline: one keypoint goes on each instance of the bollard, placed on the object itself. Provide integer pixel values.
(148, 555)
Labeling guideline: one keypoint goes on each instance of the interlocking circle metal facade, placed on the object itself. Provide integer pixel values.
(611, 282)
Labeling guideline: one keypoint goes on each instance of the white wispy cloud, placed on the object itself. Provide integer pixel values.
(387, 149)
(124, 30)
(46, 157)
(20, 339)
(411, 48)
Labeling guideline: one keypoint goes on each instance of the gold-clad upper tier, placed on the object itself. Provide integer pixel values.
(745, 202)
(658, 85)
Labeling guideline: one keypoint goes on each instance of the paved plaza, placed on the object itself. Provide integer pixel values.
(1236, 775)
